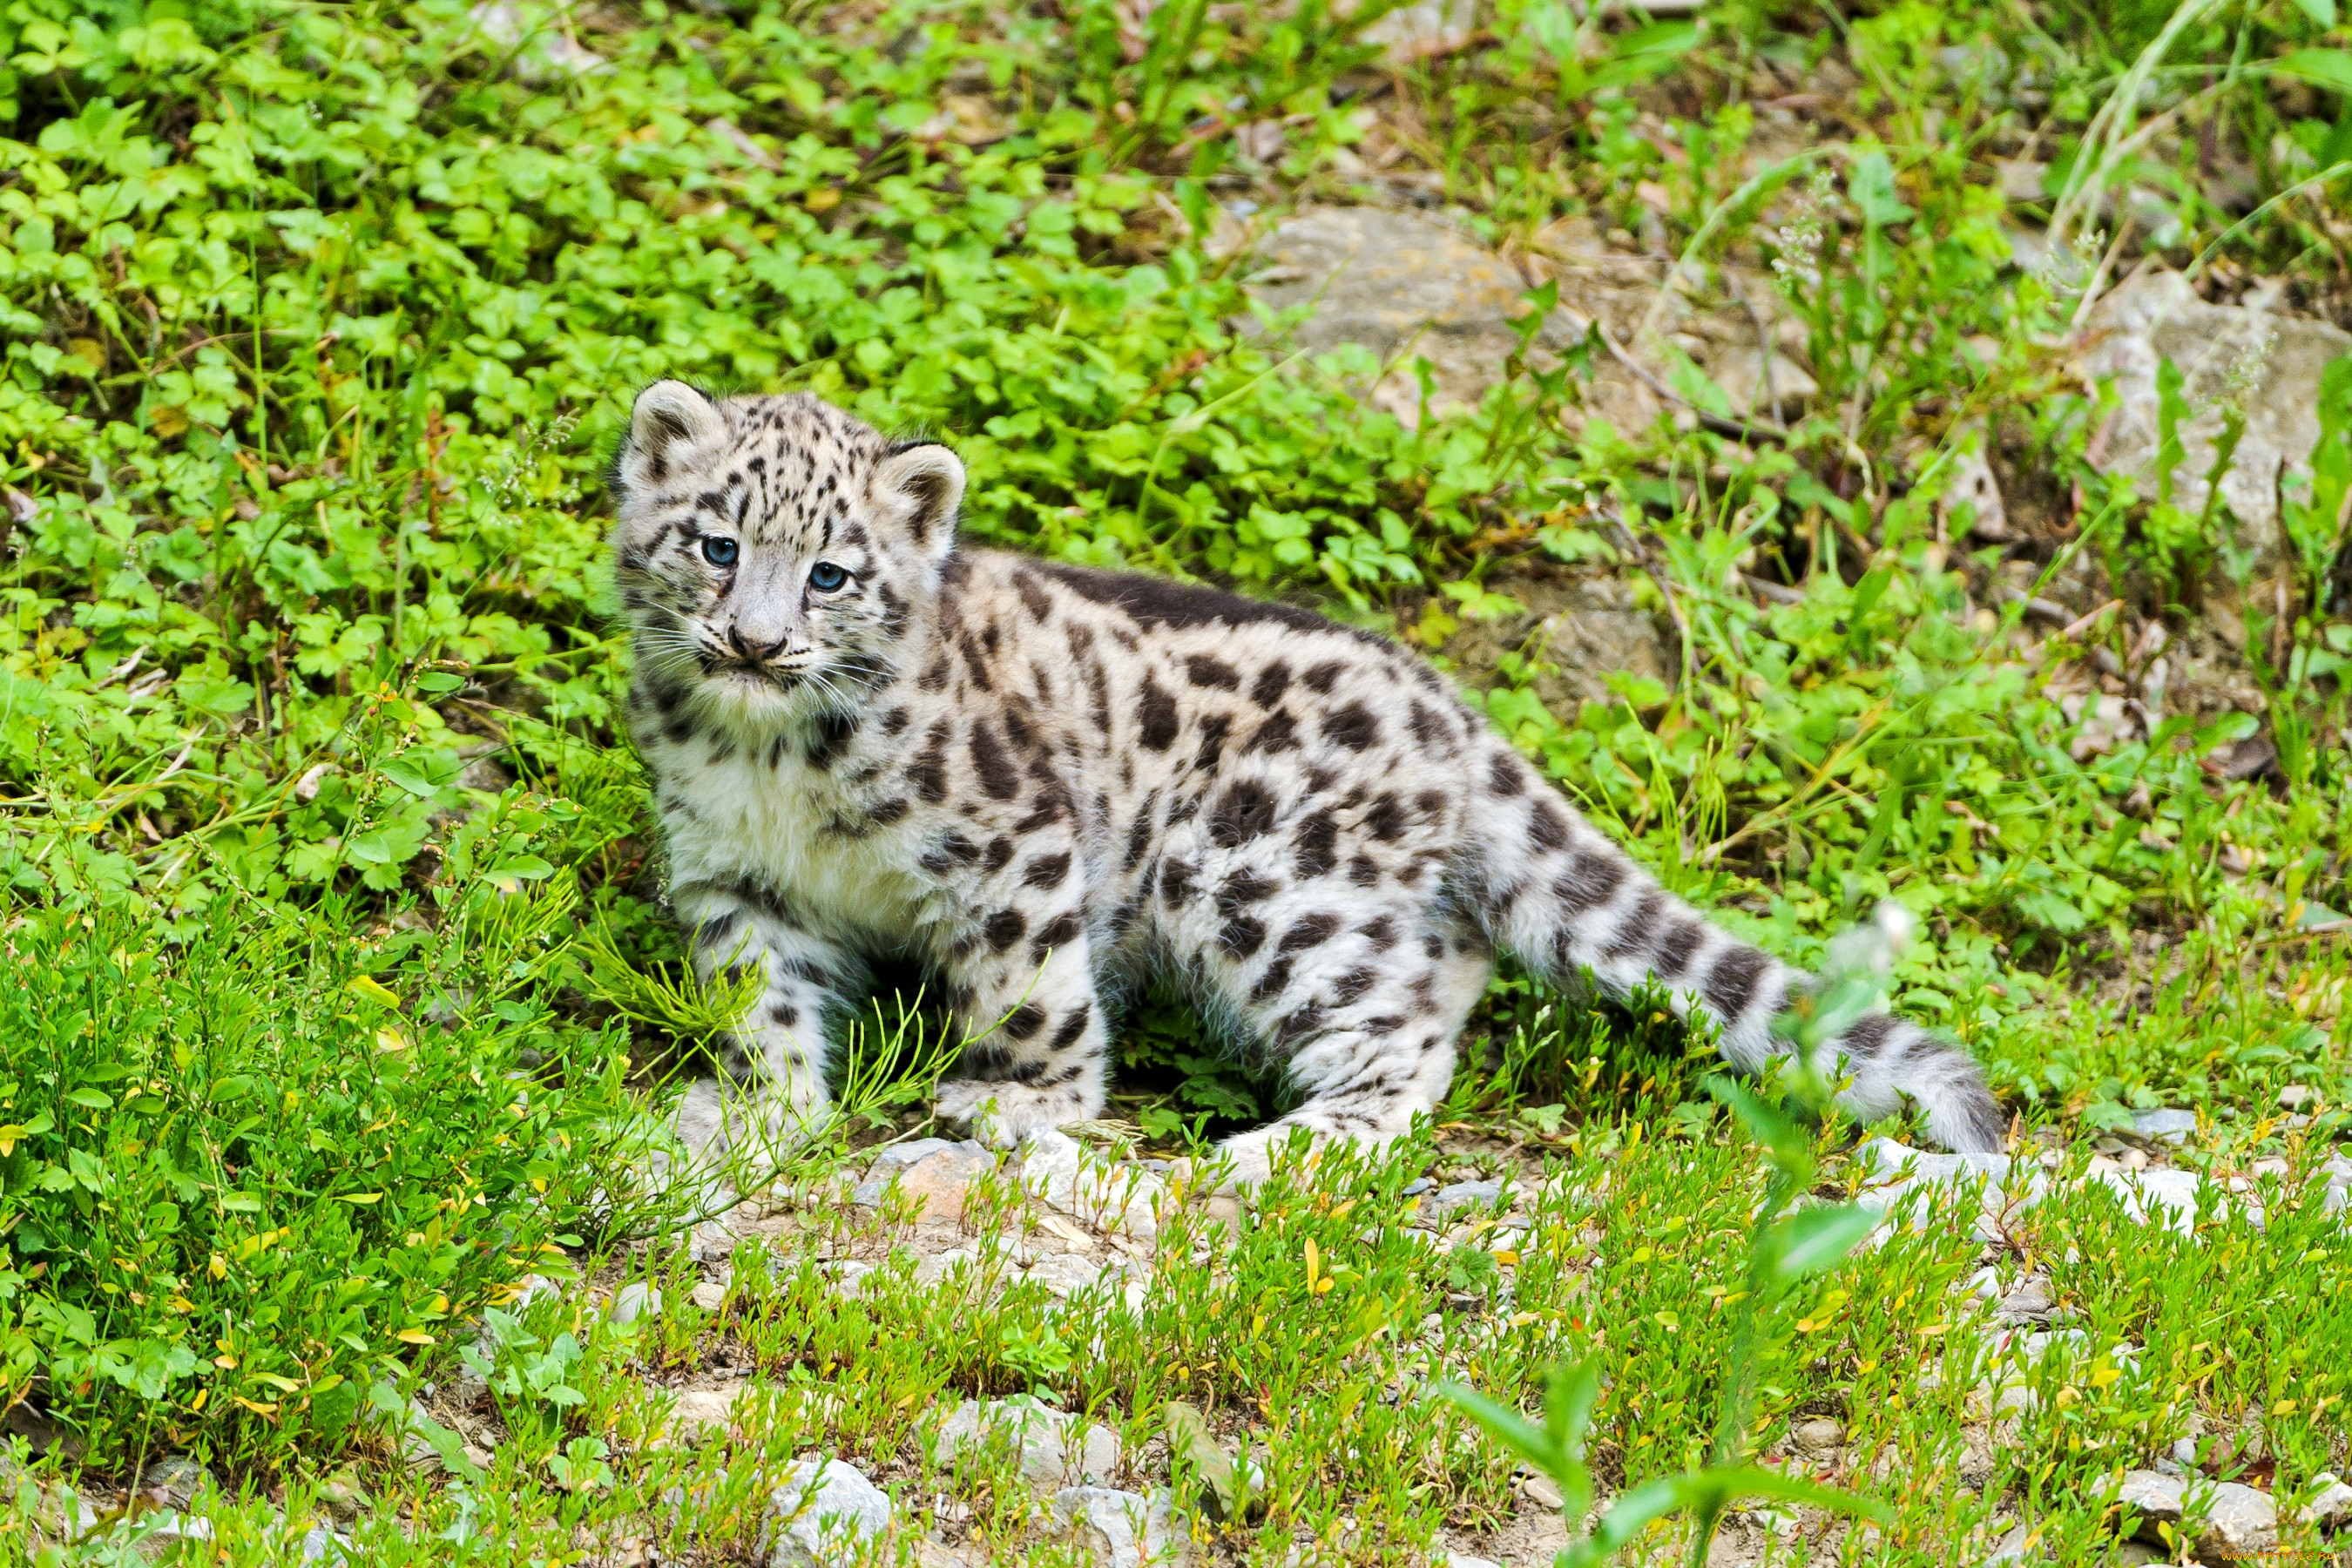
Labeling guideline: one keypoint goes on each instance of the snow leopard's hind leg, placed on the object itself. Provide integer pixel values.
(1367, 1012)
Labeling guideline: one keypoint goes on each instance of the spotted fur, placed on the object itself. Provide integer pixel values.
(1041, 782)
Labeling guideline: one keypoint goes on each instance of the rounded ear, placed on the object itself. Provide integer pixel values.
(926, 479)
(670, 419)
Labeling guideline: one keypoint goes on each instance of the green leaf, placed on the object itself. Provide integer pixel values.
(1227, 1493)
(94, 1099)
(2327, 68)
(1815, 1239)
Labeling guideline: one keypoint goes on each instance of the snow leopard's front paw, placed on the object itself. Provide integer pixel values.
(1001, 1114)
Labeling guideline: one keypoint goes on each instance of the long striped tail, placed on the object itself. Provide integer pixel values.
(1567, 901)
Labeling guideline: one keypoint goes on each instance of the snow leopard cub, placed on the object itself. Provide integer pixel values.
(1041, 783)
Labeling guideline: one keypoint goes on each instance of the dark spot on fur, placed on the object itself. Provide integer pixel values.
(1309, 931)
(1033, 593)
(1352, 727)
(1046, 871)
(1349, 988)
(1316, 844)
(1364, 871)
(999, 854)
(1271, 984)
(1026, 1021)
(1731, 982)
(1591, 880)
(1243, 813)
(1057, 933)
(953, 851)
(1243, 935)
(829, 736)
(1671, 949)
(1072, 1027)
(1323, 676)
(1156, 721)
(1244, 888)
(1003, 929)
(992, 764)
(1546, 824)
(1271, 683)
(1386, 820)
(1507, 776)
(1176, 880)
(1278, 734)
(1380, 932)
(1634, 931)
(1213, 731)
(1205, 669)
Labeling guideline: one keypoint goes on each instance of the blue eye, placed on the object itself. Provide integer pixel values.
(825, 576)
(719, 551)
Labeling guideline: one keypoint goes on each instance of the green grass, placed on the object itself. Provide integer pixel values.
(343, 999)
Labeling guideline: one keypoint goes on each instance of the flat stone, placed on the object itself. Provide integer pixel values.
(822, 1509)
(1464, 1560)
(1120, 1530)
(2165, 1126)
(320, 1544)
(2155, 1499)
(1041, 1435)
(2277, 359)
(2239, 1522)
(709, 1295)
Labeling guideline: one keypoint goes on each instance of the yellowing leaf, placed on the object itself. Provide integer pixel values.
(413, 1336)
(388, 1039)
(374, 990)
(359, 1197)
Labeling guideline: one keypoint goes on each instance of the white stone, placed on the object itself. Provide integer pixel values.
(1120, 1529)
(823, 1507)
(1039, 1434)
(320, 1544)
(2330, 1508)
(709, 1295)
(1048, 1167)
(2239, 1522)
(1464, 1560)
(633, 1301)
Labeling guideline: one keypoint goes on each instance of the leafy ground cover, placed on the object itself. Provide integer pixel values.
(346, 1003)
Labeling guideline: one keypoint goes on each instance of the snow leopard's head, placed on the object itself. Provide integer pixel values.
(771, 550)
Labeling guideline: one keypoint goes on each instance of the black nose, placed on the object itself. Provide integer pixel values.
(755, 653)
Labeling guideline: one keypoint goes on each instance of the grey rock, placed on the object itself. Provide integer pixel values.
(174, 1480)
(1389, 280)
(1048, 1166)
(709, 1295)
(2165, 1126)
(633, 1301)
(2331, 1509)
(1065, 1274)
(2239, 1522)
(823, 1508)
(320, 1544)
(1822, 1435)
(1451, 1199)
(1054, 1447)
(1120, 1530)
(2184, 1453)
(702, 1411)
(1410, 32)
(2155, 1499)
(1417, 1186)
(1464, 1560)
(2011, 1548)
(2276, 360)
